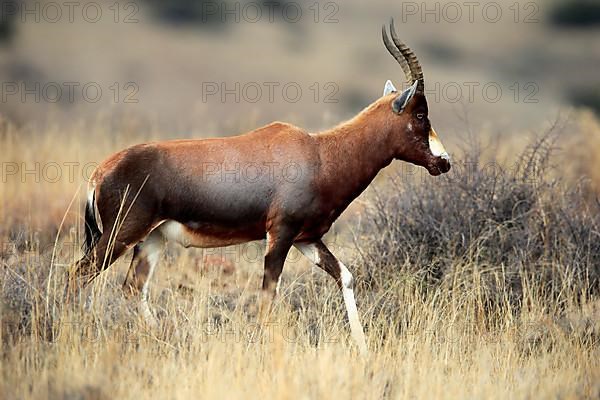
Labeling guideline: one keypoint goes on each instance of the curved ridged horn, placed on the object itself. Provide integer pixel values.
(411, 58)
(397, 55)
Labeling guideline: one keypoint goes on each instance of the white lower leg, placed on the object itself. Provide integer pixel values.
(151, 250)
(145, 308)
(312, 253)
(348, 293)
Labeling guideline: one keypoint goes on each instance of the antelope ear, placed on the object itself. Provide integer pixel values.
(401, 101)
(388, 88)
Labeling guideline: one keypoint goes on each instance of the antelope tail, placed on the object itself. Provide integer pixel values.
(92, 231)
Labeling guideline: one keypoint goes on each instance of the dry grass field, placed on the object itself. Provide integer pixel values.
(481, 284)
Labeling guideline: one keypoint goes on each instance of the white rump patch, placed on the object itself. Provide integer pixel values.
(91, 200)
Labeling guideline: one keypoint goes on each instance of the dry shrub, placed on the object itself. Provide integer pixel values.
(505, 232)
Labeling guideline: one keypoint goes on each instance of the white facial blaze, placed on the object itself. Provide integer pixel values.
(436, 147)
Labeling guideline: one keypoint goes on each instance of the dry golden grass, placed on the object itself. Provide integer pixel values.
(440, 344)
(208, 346)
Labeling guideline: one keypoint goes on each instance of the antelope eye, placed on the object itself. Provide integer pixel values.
(420, 116)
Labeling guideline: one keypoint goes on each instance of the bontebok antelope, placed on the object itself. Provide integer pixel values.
(277, 182)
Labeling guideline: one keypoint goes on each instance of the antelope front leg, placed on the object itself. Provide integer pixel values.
(320, 255)
(278, 244)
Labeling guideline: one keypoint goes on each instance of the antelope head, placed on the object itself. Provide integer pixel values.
(414, 139)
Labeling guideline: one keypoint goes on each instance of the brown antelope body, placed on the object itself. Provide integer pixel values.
(277, 182)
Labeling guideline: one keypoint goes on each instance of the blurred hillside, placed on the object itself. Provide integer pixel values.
(218, 68)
